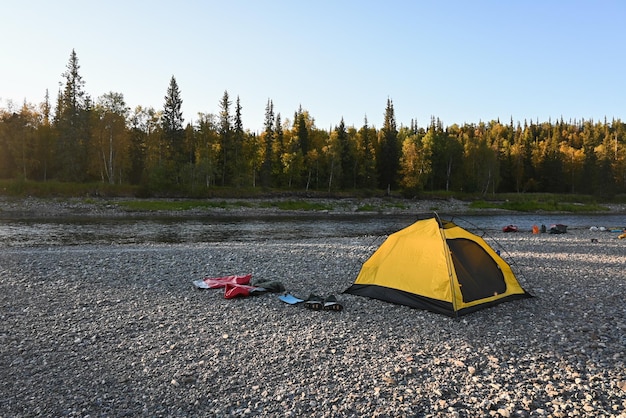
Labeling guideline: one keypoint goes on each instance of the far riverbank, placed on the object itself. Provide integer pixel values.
(42, 208)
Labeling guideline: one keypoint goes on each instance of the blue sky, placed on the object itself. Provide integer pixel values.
(460, 61)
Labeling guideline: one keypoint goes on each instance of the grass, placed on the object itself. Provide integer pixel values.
(367, 208)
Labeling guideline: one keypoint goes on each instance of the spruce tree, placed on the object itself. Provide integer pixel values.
(266, 168)
(226, 150)
(368, 152)
(389, 152)
(172, 114)
(303, 131)
(238, 141)
(346, 158)
(173, 132)
(45, 151)
(72, 121)
(279, 151)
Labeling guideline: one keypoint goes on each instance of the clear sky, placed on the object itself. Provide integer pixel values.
(460, 61)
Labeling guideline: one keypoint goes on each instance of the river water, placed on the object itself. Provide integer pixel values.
(98, 231)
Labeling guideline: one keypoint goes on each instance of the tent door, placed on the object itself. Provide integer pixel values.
(478, 274)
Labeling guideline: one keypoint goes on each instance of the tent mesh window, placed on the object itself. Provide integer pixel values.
(478, 274)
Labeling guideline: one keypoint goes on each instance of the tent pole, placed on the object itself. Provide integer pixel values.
(449, 263)
(438, 219)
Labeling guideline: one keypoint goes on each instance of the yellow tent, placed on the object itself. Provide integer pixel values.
(438, 266)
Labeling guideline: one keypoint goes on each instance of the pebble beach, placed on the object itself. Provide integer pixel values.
(120, 330)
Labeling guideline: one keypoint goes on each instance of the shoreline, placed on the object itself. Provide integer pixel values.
(30, 207)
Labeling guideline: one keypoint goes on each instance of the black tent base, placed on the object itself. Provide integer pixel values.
(421, 302)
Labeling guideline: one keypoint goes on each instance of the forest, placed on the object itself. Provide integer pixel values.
(80, 139)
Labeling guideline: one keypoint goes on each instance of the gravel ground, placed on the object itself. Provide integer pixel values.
(119, 330)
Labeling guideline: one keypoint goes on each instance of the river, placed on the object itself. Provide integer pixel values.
(145, 230)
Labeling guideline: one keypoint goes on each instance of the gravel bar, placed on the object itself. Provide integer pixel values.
(120, 330)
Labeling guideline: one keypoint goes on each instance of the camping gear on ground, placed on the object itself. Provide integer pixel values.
(243, 290)
(558, 229)
(332, 304)
(314, 302)
(510, 228)
(438, 266)
(290, 299)
(543, 229)
(535, 229)
(219, 282)
(240, 285)
(273, 286)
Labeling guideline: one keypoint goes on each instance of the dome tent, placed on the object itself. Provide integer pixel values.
(438, 266)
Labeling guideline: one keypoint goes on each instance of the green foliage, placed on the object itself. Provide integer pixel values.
(621, 198)
(215, 155)
(73, 120)
(53, 188)
(367, 208)
(390, 150)
(172, 120)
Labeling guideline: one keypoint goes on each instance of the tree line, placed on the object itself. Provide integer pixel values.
(86, 140)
